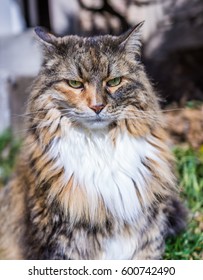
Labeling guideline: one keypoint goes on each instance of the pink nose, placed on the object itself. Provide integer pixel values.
(97, 108)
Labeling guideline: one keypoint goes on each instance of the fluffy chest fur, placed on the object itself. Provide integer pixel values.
(102, 170)
(101, 191)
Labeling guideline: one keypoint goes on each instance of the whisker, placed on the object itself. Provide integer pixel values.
(171, 110)
(30, 113)
(34, 119)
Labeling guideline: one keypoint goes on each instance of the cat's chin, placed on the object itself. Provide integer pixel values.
(98, 124)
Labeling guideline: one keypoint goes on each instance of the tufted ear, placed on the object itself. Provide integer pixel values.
(131, 40)
(47, 39)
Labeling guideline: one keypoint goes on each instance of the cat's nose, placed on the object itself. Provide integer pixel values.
(97, 108)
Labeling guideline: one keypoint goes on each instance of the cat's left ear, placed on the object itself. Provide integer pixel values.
(131, 40)
(47, 39)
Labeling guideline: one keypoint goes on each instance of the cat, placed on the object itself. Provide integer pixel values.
(95, 177)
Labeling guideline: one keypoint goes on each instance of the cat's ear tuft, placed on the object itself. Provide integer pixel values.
(46, 38)
(131, 40)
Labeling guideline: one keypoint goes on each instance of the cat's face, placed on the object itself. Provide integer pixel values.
(97, 81)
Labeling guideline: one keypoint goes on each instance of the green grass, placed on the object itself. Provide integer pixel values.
(188, 245)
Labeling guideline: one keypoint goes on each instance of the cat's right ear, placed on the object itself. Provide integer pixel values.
(47, 39)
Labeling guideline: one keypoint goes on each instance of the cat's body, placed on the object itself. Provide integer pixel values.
(95, 177)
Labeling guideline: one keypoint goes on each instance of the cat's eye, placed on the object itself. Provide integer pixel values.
(114, 82)
(75, 84)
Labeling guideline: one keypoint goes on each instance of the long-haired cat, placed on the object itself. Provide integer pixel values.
(95, 177)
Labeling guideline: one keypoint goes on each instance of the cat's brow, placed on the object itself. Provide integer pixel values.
(68, 76)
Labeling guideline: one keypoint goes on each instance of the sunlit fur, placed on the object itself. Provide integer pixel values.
(91, 185)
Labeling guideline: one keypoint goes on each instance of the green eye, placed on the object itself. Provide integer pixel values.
(114, 82)
(75, 84)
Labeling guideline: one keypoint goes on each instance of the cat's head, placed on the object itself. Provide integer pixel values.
(98, 81)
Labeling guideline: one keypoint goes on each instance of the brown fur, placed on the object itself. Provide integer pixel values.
(50, 218)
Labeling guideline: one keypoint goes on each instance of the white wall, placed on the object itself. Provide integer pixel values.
(11, 21)
(59, 12)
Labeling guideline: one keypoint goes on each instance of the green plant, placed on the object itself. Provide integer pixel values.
(189, 245)
(9, 148)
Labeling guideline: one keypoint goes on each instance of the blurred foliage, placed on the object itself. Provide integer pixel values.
(193, 104)
(9, 148)
(189, 245)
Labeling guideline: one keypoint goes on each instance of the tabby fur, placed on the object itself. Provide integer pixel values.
(91, 184)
